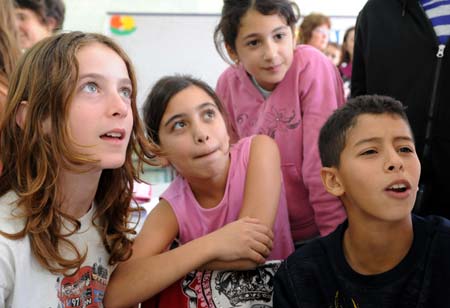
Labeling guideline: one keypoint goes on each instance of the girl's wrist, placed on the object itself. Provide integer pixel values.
(208, 248)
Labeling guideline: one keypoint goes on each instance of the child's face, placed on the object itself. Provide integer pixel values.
(379, 169)
(31, 28)
(265, 47)
(333, 54)
(100, 115)
(193, 135)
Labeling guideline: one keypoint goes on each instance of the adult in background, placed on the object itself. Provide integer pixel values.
(315, 31)
(38, 19)
(400, 51)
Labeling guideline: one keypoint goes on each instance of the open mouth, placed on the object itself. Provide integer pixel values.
(113, 135)
(398, 188)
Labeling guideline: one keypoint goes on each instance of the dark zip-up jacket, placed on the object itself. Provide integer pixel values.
(397, 53)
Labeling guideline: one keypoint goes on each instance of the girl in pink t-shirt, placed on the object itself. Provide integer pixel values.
(286, 92)
(225, 206)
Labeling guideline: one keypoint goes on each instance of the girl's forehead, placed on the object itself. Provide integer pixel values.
(253, 20)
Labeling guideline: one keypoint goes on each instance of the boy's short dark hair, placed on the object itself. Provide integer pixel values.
(333, 133)
(45, 9)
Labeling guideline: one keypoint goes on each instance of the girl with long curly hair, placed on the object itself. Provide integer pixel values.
(70, 130)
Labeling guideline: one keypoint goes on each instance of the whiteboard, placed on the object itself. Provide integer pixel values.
(165, 44)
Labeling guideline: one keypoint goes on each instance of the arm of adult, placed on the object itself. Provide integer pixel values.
(321, 92)
(152, 267)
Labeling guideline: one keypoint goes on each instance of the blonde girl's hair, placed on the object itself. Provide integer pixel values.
(46, 77)
(9, 45)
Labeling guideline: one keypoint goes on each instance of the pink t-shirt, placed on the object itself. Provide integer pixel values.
(195, 221)
(292, 115)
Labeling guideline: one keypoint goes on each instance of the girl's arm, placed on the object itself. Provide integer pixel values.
(261, 194)
(152, 268)
(263, 181)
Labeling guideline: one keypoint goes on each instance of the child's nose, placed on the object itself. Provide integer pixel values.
(202, 138)
(269, 51)
(201, 134)
(117, 105)
(394, 163)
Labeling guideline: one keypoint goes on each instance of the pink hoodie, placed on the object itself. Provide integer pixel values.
(293, 115)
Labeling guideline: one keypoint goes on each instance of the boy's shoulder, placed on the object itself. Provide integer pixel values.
(319, 252)
(434, 226)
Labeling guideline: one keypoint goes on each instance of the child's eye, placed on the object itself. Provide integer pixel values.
(406, 150)
(252, 43)
(178, 125)
(369, 152)
(126, 92)
(90, 87)
(209, 114)
(280, 36)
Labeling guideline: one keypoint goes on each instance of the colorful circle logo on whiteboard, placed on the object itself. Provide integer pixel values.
(122, 24)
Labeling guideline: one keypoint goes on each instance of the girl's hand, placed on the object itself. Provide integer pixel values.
(246, 238)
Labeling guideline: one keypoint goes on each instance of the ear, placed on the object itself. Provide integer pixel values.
(50, 24)
(331, 181)
(232, 54)
(21, 114)
(163, 162)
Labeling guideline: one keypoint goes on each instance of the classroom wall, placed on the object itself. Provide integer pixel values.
(164, 29)
(90, 15)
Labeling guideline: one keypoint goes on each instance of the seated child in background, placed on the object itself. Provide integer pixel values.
(382, 256)
(333, 52)
(223, 205)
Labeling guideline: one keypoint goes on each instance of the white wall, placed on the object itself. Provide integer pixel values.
(90, 15)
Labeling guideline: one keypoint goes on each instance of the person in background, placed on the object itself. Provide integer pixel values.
(38, 19)
(333, 52)
(68, 137)
(286, 92)
(226, 207)
(9, 49)
(315, 31)
(402, 50)
(382, 256)
(346, 60)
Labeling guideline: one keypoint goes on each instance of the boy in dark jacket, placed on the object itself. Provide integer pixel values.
(382, 256)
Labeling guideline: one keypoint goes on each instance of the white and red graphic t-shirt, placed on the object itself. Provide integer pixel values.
(217, 289)
(25, 283)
